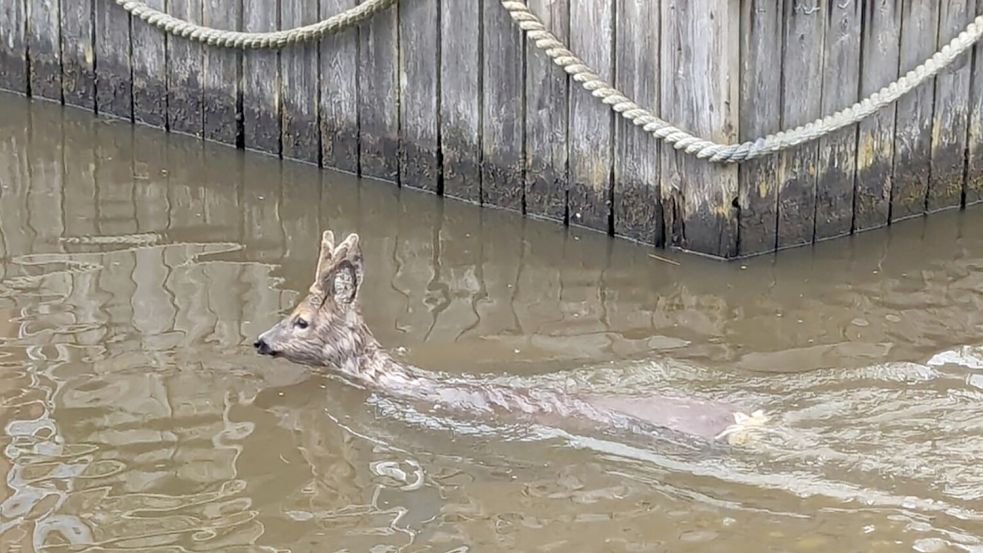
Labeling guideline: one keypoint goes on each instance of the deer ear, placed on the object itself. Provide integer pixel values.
(345, 277)
(324, 264)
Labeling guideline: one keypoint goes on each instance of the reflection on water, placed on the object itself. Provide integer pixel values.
(137, 267)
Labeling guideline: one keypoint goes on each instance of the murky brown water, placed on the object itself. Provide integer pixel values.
(136, 268)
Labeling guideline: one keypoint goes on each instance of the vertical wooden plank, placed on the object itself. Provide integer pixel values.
(184, 73)
(637, 199)
(221, 75)
(113, 87)
(299, 69)
(838, 152)
(339, 93)
(419, 84)
(378, 97)
(875, 148)
(460, 108)
(805, 25)
(592, 35)
(77, 54)
(761, 93)
(547, 109)
(44, 48)
(13, 45)
(951, 114)
(150, 72)
(913, 133)
(261, 81)
(502, 106)
(700, 51)
(974, 165)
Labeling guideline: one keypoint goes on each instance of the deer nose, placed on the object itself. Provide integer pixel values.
(262, 347)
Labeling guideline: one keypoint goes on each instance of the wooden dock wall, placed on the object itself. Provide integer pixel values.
(446, 96)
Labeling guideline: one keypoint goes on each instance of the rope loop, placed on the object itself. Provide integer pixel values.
(581, 72)
(259, 40)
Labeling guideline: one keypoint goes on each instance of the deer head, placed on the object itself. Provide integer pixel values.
(326, 327)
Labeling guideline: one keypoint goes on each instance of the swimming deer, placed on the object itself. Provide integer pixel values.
(327, 329)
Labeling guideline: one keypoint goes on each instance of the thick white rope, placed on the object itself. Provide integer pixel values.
(243, 40)
(587, 77)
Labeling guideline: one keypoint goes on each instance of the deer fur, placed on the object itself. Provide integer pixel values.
(327, 329)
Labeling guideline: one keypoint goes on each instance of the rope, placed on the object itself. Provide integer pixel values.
(587, 77)
(734, 153)
(243, 40)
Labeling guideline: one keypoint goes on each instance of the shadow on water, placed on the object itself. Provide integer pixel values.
(136, 268)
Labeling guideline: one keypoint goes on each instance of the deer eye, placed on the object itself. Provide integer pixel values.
(301, 323)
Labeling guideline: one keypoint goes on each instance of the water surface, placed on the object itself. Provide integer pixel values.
(136, 268)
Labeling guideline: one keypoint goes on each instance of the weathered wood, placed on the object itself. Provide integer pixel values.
(299, 86)
(44, 48)
(502, 106)
(260, 82)
(113, 85)
(78, 79)
(761, 94)
(699, 92)
(951, 114)
(150, 73)
(837, 167)
(460, 107)
(339, 94)
(637, 198)
(805, 27)
(547, 109)
(184, 74)
(875, 148)
(221, 75)
(591, 35)
(418, 93)
(974, 165)
(378, 99)
(913, 132)
(13, 46)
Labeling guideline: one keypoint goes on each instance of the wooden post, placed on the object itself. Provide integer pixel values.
(700, 51)
(419, 89)
(44, 47)
(805, 28)
(13, 46)
(299, 86)
(502, 108)
(837, 165)
(913, 134)
(221, 75)
(339, 93)
(875, 145)
(761, 96)
(591, 123)
(78, 78)
(260, 82)
(150, 72)
(460, 100)
(547, 109)
(184, 74)
(974, 165)
(637, 196)
(378, 96)
(951, 113)
(114, 94)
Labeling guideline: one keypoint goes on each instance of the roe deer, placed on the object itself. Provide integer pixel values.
(327, 329)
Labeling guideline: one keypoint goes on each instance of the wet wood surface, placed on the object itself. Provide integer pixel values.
(451, 98)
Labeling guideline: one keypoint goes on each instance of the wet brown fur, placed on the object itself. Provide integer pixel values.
(327, 329)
